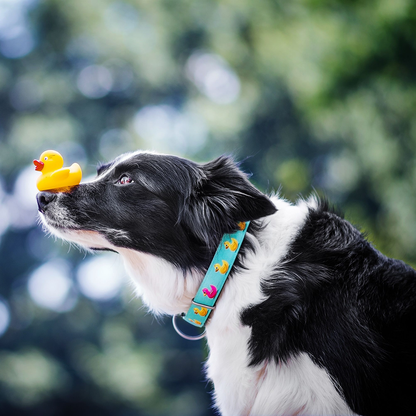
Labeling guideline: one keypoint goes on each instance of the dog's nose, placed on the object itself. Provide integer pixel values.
(44, 199)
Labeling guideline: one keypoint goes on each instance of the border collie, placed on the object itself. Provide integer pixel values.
(313, 320)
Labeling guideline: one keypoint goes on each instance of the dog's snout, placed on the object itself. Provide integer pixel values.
(44, 199)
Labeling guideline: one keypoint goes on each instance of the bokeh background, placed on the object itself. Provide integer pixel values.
(311, 95)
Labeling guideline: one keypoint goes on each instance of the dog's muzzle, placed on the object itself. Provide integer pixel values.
(44, 199)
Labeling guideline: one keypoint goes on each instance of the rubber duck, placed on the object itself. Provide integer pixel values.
(210, 293)
(231, 246)
(54, 175)
(195, 321)
(221, 268)
(202, 311)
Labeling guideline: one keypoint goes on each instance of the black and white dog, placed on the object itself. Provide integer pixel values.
(313, 320)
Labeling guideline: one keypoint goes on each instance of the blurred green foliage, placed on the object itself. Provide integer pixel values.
(312, 95)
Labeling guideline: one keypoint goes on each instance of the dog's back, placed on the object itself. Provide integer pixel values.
(351, 309)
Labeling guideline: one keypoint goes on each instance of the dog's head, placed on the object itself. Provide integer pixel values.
(161, 205)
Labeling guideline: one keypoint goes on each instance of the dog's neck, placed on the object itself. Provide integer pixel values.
(166, 289)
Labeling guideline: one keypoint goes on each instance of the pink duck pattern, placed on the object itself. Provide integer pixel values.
(210, 293)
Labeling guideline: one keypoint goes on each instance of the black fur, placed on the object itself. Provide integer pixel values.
(350, 308)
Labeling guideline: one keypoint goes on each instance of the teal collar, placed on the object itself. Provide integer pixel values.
(209, 291)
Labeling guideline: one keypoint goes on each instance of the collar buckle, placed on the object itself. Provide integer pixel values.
(201, 305)
(182, 334)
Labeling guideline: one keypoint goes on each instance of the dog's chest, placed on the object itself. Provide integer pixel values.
(298, 387)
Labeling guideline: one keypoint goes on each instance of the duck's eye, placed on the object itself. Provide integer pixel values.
(124, 180)
(46, 158)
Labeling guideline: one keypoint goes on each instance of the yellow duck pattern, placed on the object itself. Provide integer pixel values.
(201, 311)
(231, 246)
(54, 175)
(223, 268)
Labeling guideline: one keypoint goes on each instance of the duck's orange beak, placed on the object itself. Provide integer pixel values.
(38, 165)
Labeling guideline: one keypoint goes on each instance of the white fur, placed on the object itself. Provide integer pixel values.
(163, 288)
(298, 387)
(119, 160)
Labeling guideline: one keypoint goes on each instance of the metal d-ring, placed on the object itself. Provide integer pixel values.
(183, 335)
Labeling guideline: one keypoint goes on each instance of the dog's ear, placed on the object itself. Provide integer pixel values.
(221, 199)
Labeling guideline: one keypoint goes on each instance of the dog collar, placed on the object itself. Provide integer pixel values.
(212, 284)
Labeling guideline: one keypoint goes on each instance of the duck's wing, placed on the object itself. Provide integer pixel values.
(60, 175)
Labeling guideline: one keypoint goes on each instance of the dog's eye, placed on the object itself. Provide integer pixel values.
(124, 180)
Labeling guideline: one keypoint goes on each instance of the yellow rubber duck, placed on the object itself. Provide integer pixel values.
(221, 268)
(54, 175)
(231, 246)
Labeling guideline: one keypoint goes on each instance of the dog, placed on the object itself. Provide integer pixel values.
(312, 320)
